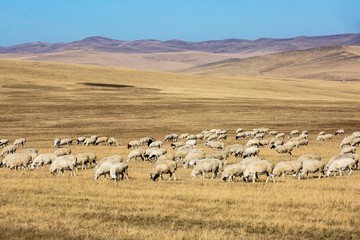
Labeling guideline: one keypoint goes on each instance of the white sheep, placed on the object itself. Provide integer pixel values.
(20, 141)
(284, 149)
(7, 150)
(62, 163)
(183, 136)
(191, 137)
(118, 171)
(348, 150)
(134, 144)
(221, 155)
(176, 145)
(324, 137)
(206, 165)
(91, 140)
(146, 141)
(287, 167)
(61, 142)
(103, 169)
(257, 168)
(232, 171)
(112, 142)
(80, 140)
(339, 132)
(169, 167)
(154, 154)
(340, 165)
(280, 136)
(62, 151)
(165, 157)
(239, 130)
(309, 157)
(294, 133)
(101, 140)
(251, 151)
(17, 160)
(136, 153)
(346, 141)
(191, 142)
(355, 141)
(240, 135)
(192, 155)
(4, 142)
(313, 166)
(171, 137)
(253, 142)
(156, 144)
(215, 144)
(232, 149)
(43, 159)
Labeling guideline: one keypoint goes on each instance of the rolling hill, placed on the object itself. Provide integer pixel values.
(330, 63)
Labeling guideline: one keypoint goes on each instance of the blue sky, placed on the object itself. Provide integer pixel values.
(192, 20)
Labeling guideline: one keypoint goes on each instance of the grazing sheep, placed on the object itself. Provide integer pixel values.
(61, 142)
(221, 155)
(7, 150)
(251, 151)
(101, 140)
(206, 165)
(156, 144)
(260, 136)
(42, 159)
(112, 142)
(239, 130)
(156, 153)
(136, 153)
(280, 136)
(287, 167)
(19, 141)
(194, 154)
(240, 135)
(253, 142)
(118, 171)
(103, 169)
(302, 142)
(283, 149)
(239, 152)
(146, 141)
(263, 143)
(309, 157)
(176, 145)
(113, 158)
(191, 137)
(62, 163)
(257, 168)
(212, 137)
(17, 161)
(215, 144)
(169, 167)
(171, 137)
(134, 144)
(340, 165)
(30, 151)
(222, 137)
(234, 170)
(339, 132)
(181, 152)
(80, 140)
(191, 142)
(4, 142)
(273, 133)
(183, 136)
(91, 140)
(82, 159)
(232, 148)
(355, 142)
(62, 151)
(165, 157)
(348, 150)
(321, 133)
(340, 156)
(346, 141)
(325, 137)
(313, 166)
(294, 133)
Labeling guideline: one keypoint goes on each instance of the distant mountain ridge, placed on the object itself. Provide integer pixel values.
(103, 44)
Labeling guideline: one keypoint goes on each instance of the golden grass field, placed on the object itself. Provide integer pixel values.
(42, 101)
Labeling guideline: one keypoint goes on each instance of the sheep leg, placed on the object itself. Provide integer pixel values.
(174, 176)
(350, 171)
(170, 173)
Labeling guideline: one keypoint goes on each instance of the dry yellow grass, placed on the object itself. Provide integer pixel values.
(42, 101)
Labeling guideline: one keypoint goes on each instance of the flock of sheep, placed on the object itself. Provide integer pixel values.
(189, 154)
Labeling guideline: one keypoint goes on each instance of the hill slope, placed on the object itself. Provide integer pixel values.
(331, 63)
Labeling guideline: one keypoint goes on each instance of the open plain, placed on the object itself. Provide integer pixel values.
(43, 101)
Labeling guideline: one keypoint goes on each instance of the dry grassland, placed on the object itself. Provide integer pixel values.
(42, 101)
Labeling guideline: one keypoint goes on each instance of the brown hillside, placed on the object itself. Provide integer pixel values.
(331, 63)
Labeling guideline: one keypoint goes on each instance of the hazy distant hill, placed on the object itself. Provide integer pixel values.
(103, 44)
(332, 63)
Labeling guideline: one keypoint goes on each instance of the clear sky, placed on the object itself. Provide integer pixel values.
(191, 20)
